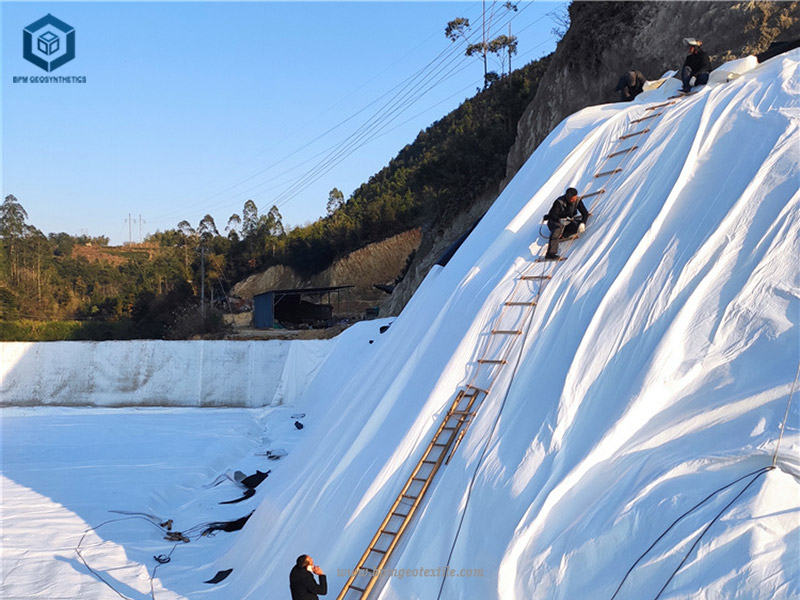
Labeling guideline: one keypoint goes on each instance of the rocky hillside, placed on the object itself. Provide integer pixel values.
(605, 39)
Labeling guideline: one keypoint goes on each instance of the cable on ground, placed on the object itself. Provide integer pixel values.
(757, 473)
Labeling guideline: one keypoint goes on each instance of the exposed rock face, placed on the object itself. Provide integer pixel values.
(279, 277)
(432, 246)
(606, 39)
(379, 263)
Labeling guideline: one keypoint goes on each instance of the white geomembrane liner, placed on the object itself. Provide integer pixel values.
(656, 370)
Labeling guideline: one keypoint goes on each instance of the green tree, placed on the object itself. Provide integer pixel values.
(234, 223)
(12, 230)
(249, 218)
(335, 201)
(207, 229)
(275, 222)
(502, 46)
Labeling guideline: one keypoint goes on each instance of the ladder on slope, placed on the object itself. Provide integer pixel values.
(495, 353)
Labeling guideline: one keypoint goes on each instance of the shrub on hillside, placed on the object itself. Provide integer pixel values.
(191, 322)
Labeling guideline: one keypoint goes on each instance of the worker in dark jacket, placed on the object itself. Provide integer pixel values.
(630, 85)
(697, 65)
(301, 580)
(562, 220)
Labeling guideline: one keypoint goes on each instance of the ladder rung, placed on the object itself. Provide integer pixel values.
(378, 551)
(429, 462)
(419, 479)
(445, 429)
(474, 387)
(437, 444)
(492, 361)
(597, 193)
(631, 149)
(397, 514)
(387, 532)
(653, 116)
(358, 589)
(659, 105)
(520, 304)
(367, 569)
(608, 173)
(630, 135)
(506, 331)
(415, 497)
(528, 277)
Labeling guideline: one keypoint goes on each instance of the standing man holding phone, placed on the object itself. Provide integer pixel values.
(301, 580)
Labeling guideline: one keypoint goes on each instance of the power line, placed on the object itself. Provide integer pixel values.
(447, 49)
(401, 100)
(355, 140)
(332, 149)
(329, 163)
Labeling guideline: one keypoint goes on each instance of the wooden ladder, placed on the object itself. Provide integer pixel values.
(365, 575)
(499, 343)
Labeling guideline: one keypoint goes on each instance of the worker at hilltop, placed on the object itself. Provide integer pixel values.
(630, 85)
(563, 222)
(696, 65)
(302, 584)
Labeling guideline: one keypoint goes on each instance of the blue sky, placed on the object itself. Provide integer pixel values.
(191, 108)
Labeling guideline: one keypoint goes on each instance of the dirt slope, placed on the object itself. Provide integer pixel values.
(378, 263)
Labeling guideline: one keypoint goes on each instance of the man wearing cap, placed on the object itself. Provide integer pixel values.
(697, 65)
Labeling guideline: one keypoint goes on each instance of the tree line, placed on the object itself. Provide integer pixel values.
(155, 294)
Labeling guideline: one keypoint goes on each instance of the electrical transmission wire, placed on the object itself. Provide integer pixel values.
(372, 128)
(331, 150)
(399, 102)
(444, 52)
(414, 89)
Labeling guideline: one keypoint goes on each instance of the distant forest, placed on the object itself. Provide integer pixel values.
(59, 286)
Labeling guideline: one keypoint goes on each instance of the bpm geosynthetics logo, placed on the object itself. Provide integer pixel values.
(48, 43)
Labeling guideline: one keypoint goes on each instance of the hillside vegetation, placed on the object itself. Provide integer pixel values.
(143, 291)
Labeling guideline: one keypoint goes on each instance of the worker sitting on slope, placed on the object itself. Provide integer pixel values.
(630, 85)
(696, 65)
(563, 222)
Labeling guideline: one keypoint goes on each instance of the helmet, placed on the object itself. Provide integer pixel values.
(692, 42)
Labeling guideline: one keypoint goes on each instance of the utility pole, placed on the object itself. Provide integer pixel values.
(140, 214)
(130, 235)
(485, 66)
